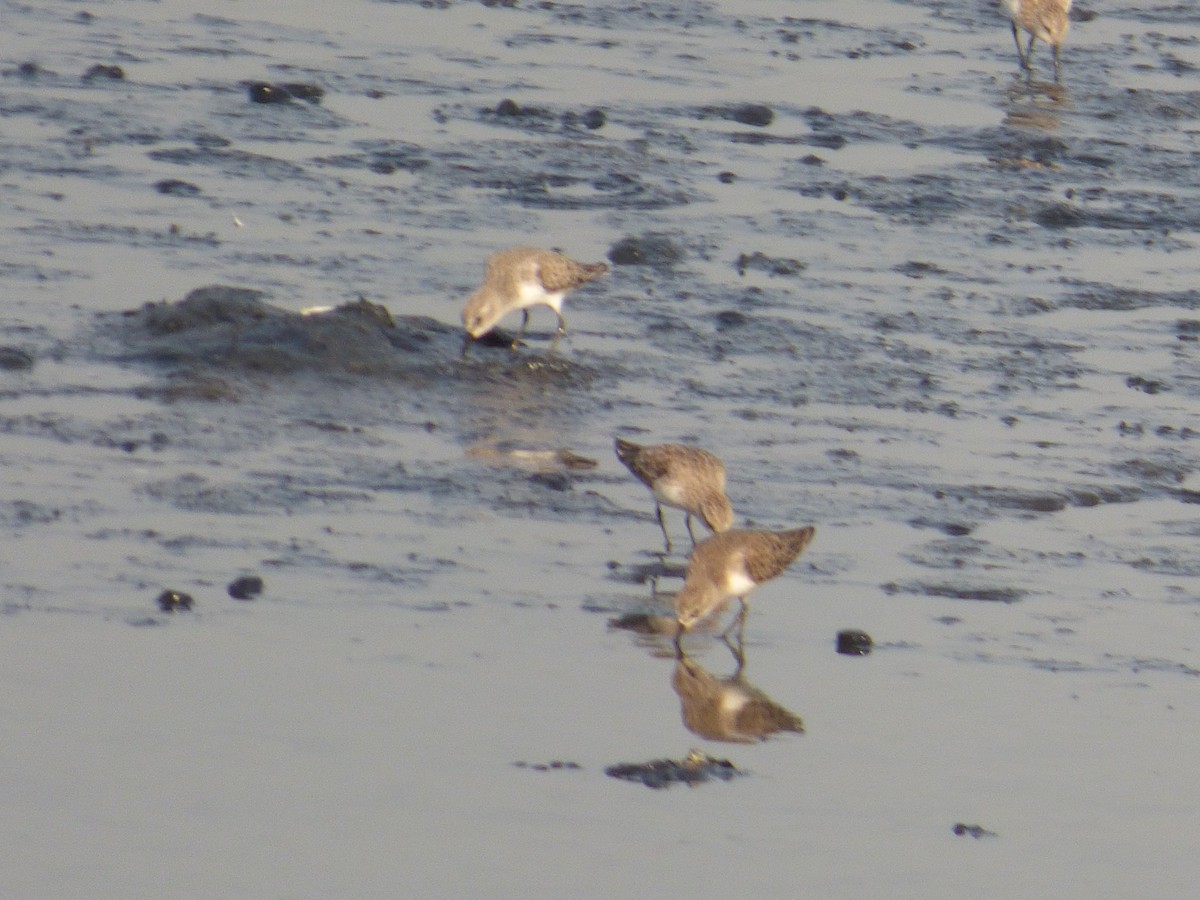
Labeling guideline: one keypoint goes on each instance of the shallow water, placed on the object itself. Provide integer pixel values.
(945, 315)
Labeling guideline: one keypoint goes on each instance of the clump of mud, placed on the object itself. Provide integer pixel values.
(694, 769)
(217, 334)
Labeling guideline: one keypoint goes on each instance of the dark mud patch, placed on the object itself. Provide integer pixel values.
(957, 592)
(695, 769)
(218, 333)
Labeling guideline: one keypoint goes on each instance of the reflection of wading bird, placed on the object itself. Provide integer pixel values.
(1044, 20)
(686, 478)
(728, 709)
(731, 565)
(520, 278)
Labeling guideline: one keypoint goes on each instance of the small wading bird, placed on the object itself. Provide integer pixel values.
(520, 278)
(732, 564)
(1044, 20)
(686, 478)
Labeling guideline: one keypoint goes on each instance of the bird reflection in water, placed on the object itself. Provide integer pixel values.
(728, 709)
(1036, 105)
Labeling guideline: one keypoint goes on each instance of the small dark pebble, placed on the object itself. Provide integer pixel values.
(173, 601)
(509, 108)
(726, 177)
(975, 831)
(730, 318)
(14, 359)
(261, 92)
(852, 642)
(755, 114)
(697, 768)
(29, 70)
(109, 73)
(176, 188)
(246, 587)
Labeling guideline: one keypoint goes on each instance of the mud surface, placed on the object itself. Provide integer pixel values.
(945, 314)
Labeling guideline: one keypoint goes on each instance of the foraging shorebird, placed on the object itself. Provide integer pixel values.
(519, 279)
(683, 477)
(732, 564)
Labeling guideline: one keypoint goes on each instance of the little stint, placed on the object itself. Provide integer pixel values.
(520, 278)
(686, 478)
(1044, 20)
(731, 565)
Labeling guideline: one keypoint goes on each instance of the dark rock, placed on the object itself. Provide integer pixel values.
(174, 601)
(507, 108)
(755, 114)
(245, 587)
(29, 70)
(592, 119)
(730, 318)
(101, 71)
(262, 92)
(852, 642)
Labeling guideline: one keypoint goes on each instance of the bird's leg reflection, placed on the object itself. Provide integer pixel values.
(738, 649)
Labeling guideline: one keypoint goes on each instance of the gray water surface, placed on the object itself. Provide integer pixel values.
(943, 313)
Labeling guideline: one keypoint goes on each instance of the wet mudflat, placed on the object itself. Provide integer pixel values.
(945, 315)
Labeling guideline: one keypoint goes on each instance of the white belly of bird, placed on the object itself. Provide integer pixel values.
(738, 583)
(670, 493)
(531, 294)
